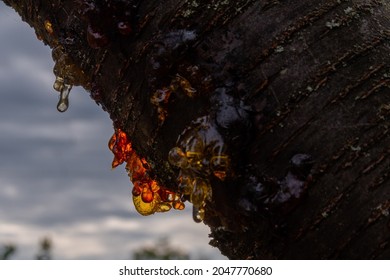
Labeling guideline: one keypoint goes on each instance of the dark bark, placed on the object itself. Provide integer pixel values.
(299, 92)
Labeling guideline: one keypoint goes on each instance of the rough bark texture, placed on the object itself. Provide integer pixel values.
(307, 81)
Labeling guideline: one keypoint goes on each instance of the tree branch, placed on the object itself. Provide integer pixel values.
(274, 115)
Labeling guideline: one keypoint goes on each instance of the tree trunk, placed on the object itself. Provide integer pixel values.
(289, 101)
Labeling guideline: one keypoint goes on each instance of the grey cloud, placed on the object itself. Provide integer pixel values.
(55, 169)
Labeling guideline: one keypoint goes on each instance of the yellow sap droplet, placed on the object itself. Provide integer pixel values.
(163, 207)
(194, 147)
(200, 193)
(48, 27)
(198, 214)
(178, 205)
(177, 157)
(63, 103)
(144, 208)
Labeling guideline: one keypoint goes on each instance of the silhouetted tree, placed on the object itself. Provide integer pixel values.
(45, 248)
(7, 251)
(162, 250)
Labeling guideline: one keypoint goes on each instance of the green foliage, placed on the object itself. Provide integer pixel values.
(7, 251)
(45, 246)
(162, 250)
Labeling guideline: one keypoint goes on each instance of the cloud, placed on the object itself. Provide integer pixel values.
(9, 192)
(107, 237)
(55, 169)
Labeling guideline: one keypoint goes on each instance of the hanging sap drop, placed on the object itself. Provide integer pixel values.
(200, 192)
(144, 208)
(58, 84)
(147, 195)
(198, 214)
(163, 207)
(63, 103)
(178, 205)
(67, 74)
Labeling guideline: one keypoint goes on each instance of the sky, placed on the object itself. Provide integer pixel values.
(55, 168)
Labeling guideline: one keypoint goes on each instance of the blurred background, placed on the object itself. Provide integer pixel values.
(59, 197)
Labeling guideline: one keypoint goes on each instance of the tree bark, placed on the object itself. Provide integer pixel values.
(297, 94)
